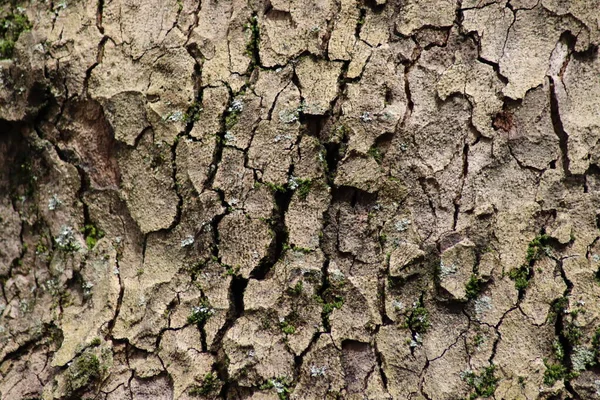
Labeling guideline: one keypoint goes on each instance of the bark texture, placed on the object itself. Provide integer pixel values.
(299, 199)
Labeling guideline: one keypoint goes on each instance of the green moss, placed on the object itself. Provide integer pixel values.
(11, 27)
(252, 47)
(92, 235)
(572, 333)
(473, 287)
(296, 290)
(537, 248)
(281, 385)
(287, 328)
(210, 384)
(276, 188)
(193, 113)
(418, 319)
(303, 188)
(520, 276)
(553, 373)
(95, 342)
(84, 371)
(375, 152)
(231, 119)
(484, 384)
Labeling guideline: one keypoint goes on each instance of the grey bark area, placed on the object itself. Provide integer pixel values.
(299, 199)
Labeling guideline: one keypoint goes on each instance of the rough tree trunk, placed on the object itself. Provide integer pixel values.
(301, 199)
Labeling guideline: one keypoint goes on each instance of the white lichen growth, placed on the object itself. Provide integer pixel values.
(402, 225)
(54, 202)
(447, 270)
(293, 183)
(366, 117)
(237, 106)
(175, 116)
(188, 241)
(229, 137)
(289, 116)
(398, 305)
(317, 371)
(582, 357)
(66, 238)
(482, 305)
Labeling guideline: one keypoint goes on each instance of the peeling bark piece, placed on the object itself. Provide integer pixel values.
(532, 139)
(456, 267)
(194, 161)
(578, 112)
(527, 51)
(214, 104)
(491, 24)
(402, 256)
(244, 241)
(148, 185)
(126, 115)
(235, 180)
(418, 13)
(546, 286)
(318, 83)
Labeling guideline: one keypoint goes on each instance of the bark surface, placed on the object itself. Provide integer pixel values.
(299, 199)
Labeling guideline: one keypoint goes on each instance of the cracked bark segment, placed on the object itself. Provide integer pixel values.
(361, 173)
(546, 286)
(418, 13)
(73, 44)
(527, 50)
(374, 105)
(274, 141)
(290, 28)
(582, 11)
(241, 124)
(491, 24)
(342, 43)
(91, 141)
(304, 217)
(523, 344)
(195, 161)
(147, 184)
(361, 371)
(10, 224)
(322, 373)
(140, 27)
(577, 112)
(235, 180)
(532, 138)
(214, 103)
(255, 354)
(318, 84)
(290, 294)
(453, 362)
(181, 354)
(480, 84)
(221, 35)
(456, 267)
(244, 241)
(126, 114)
(164, 76)
(91, 312)
(401, 365)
